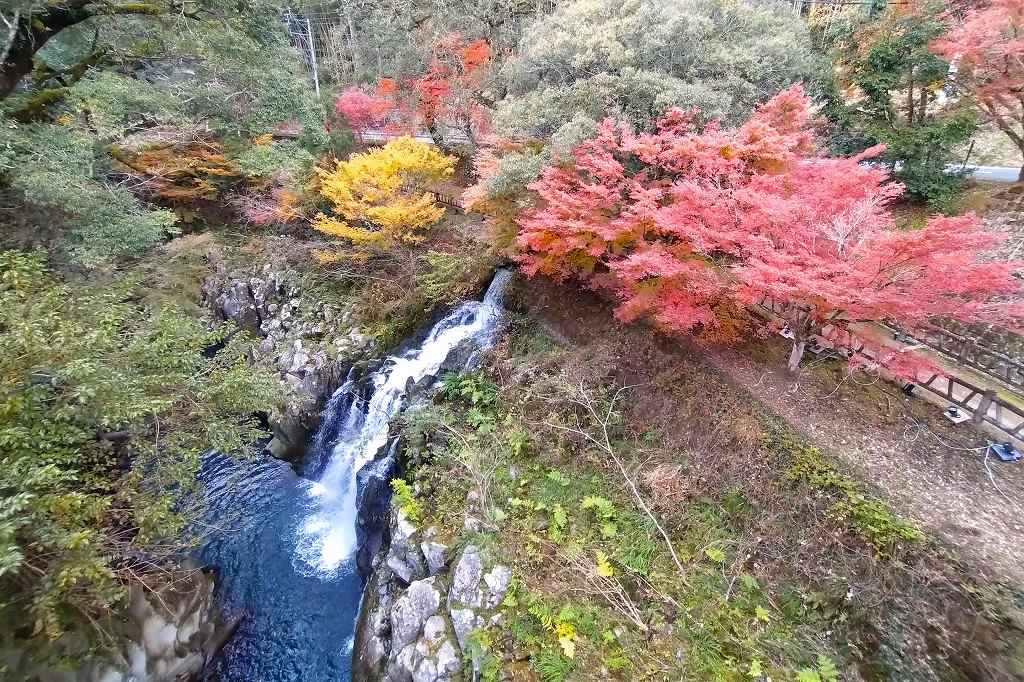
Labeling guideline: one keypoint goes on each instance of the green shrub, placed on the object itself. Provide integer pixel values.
(260, 161)
(452, 277)
(105, 408)
(475, 388)
(406, 501)
(479, 657)
(56, 167)
(552, 666)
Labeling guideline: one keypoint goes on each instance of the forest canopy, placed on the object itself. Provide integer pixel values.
(633, 59)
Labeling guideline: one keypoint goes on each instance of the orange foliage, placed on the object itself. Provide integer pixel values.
(180, 173)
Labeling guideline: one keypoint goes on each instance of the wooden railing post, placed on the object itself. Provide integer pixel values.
(986, 402)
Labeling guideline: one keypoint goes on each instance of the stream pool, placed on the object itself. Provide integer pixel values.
(284, 545)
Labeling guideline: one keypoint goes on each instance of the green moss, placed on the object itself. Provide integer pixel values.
(34, 108)
(868, 516)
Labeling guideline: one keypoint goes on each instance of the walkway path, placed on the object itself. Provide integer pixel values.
(930, 470)
(991, 173)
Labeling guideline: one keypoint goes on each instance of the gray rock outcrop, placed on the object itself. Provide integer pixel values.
(418, 611)
(311, 344)
(165, 637)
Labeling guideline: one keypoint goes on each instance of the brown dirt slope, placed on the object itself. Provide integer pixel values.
(943, 608)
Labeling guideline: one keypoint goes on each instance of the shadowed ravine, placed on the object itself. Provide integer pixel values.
(285, 545)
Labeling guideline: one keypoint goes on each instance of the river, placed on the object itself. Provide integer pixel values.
(284, 545)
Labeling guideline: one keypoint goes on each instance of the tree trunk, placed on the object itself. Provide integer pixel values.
(16, 67)
(796, 354)
(33, 31)
(910, 99)
(353, 48)
(1020, 175)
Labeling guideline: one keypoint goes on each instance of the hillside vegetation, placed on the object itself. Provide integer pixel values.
(668, 178)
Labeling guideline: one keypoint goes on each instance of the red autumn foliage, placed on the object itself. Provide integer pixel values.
(690, 227)
(448, 93)
(272, 204)
(362, 110)
(987, 48)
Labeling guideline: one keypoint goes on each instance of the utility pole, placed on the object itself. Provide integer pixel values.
(312, 56)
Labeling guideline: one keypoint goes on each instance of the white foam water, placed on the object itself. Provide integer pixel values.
(326, 537)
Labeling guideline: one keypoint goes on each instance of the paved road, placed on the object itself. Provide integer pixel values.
(991, 173)
(376, 136)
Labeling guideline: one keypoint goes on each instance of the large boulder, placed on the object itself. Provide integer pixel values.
(404, 557)
(412, 610)
(465, 589)
(418, 630)
(163, 637)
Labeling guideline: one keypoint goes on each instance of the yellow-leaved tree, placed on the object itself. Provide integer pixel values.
(382, 196)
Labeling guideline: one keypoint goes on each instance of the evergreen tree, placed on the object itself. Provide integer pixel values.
(892, 85)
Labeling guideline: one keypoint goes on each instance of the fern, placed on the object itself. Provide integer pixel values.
(551, 666)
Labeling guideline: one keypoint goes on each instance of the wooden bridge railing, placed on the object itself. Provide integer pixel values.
(449, 201)
(974, 353)
(984, 405)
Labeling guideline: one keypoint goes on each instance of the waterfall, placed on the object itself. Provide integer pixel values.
(355, 428)
(284, 545)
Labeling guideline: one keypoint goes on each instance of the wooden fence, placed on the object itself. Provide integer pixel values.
(974, 353)
(449, 201)
(984, 405)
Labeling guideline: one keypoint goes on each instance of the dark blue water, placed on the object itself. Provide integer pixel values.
(285, 547)
(297, 626)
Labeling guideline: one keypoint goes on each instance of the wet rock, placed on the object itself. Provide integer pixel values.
(267, 302)
(372, 644)
(412, 610)
(291, 432)
(404, 557)
(436, 555)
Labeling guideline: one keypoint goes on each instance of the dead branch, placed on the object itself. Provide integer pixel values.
(601, 419)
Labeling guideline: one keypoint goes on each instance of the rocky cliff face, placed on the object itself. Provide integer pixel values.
(420, 607)
(312, 344)
(169, 635)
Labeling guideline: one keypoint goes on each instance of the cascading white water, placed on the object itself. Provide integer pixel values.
(326, 538)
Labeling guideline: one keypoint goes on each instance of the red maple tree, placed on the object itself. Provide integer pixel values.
(692, 227)
(362, 110)
(986, 48)
(449, 94)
